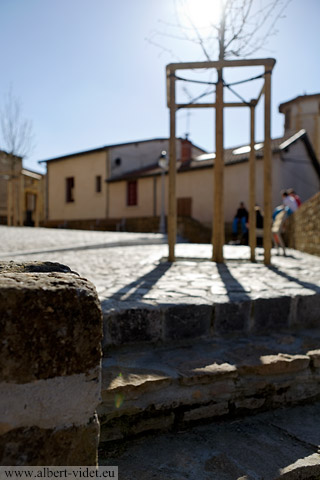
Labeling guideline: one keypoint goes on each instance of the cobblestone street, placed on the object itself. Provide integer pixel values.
(132, 269)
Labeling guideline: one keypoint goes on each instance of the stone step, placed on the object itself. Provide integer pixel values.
(230, 314)
(282, 444)
(166, 387)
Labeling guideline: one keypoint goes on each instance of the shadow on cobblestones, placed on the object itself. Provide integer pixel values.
(233, 287)
(142, 285)
(128, 243)
(308, 285)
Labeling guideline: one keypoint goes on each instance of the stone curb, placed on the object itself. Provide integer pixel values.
(169, 323)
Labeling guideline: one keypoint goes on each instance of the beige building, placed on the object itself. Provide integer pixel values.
(116, 186)
(21, 193)
(76, 184)
(294, 165)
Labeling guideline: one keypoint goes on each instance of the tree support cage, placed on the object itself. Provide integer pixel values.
(218, 234)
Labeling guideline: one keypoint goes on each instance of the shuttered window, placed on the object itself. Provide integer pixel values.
(70, 189)
(132, 193)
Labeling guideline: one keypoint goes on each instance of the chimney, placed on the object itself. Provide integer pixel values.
(186, 150)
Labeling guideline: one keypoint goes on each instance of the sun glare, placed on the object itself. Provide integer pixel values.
(202, 13)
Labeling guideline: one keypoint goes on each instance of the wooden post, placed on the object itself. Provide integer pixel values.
(218, 210)
(267, 169)
(172, 210)
(252, 186)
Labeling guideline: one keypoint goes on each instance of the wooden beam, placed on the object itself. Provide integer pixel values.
(169, 73)
(172, 210)
(267, 171)
(211, 105)
(252, 186)
(260, 94)
(218, 211)
(264, 62)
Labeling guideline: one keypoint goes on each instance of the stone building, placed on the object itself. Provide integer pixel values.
(303, 112)
(21, 192)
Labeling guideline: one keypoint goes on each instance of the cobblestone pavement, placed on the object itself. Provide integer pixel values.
(130, 269)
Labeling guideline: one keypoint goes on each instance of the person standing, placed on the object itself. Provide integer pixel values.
(289, 201)
(241, 218)
(293, 194)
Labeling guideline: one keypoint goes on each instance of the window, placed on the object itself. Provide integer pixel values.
(69, 189)
(98, 184)
(184, 206)
(132, 193)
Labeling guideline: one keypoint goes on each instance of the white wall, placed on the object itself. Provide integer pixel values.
(141, 154)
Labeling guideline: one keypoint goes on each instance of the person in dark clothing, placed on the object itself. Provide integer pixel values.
(241, 218)
(259, 217)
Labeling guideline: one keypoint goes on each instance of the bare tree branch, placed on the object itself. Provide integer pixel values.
(244, 27)
(16, 131)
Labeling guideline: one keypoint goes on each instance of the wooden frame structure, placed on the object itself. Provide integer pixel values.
(218, 234)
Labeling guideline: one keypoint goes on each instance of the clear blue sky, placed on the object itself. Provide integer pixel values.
(87, 76)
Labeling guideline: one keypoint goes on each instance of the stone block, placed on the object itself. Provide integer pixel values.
(123, 427)
(315, 358)
(135, 325)
(187, 322)
(208, 374)
(232, 317)
(206, 411)
(50, 326)
(308, 310)
(307, 468)
(250, 403)
(271, 314)
(72, 445)
(50, 366)
(274, 364)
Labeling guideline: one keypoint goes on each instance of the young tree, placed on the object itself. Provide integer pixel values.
(17, 141)
(243, 26)
(16, 131)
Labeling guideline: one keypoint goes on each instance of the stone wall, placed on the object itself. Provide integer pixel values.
(141, 224)
(184, 322)
(187, 227)
(50, 366)
(303, 227)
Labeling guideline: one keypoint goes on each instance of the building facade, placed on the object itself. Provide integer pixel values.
(21, 193)
(111, 186)
(303, 112)
(294, 165)
(77, 187)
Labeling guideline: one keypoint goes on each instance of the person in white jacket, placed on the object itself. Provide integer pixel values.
(289, 201)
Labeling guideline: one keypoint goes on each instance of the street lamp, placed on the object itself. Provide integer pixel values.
(163, 164)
